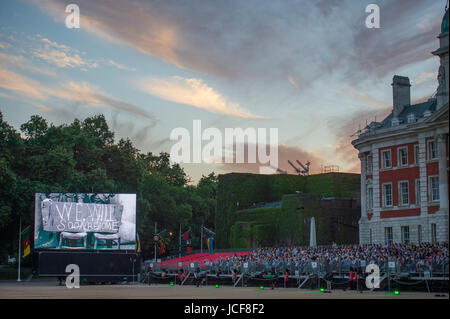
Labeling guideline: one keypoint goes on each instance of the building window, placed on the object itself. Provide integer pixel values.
(433, 183)
(403, 192)
(433, 233)
(417, 192)
(395, 121)
(387, 194)
(386, 159)
(432, 150)
(369, 164)
(388, 237)
(370, 198)
(405, 234)
(403, 156)
(419, 234)
(416, 154)
(370, 236)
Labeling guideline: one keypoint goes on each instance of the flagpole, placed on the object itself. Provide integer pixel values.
(201, 241)
(20, 239)
(179, 244)
(155, 242)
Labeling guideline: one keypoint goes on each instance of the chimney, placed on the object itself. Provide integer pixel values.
(401, 93)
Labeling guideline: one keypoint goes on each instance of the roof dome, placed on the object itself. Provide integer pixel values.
(444, 25)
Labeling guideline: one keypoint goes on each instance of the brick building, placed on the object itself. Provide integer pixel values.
(404, 164)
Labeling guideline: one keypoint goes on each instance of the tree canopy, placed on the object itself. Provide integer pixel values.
(84, 156)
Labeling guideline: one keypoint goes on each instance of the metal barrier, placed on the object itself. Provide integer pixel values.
(396, 271)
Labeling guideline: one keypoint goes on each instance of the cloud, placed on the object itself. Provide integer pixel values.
(4, 45)
(238, 40)
(56, 45)
(20, 62)
(62, 56)
(345, 129)
(139, 135)
(285, 153)
(5, 95)
(83, 93)
(364, 97)
(120, 66)
(20, 84)
(399, 41)
(424, 77)
(193, 92)
(293, 81)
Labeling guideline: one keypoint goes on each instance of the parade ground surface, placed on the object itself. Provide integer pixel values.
(49, 289)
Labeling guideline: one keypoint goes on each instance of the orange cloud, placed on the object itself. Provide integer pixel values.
(193, 92)
(83, 93)
(15, 82)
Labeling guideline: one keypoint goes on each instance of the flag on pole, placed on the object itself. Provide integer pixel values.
(186, 235)
(211, 244)
(26, 242)
(161, 248)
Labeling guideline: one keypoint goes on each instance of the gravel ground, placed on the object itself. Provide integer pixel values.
(49, 289)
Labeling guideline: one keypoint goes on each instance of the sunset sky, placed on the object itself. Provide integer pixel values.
(309, 68)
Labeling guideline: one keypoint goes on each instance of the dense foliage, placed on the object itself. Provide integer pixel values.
(83, 156)
(273, 226)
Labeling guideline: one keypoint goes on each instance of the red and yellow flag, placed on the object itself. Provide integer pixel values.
(26, 242)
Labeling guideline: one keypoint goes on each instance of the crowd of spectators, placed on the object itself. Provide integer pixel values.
(409, 257)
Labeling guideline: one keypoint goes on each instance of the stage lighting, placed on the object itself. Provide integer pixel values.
(171, 283)
(262, 288)
(217, 286)
(396, 292)
(322, 290)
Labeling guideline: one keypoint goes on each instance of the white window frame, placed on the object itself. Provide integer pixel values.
(429, 149)
(384, 194)
(388, 239)
(383, 163)
(430, 188)
(416, 154)
(399, 158)
(405, 238)
(419, 234)
(369, 197)
(369, 164)
(400, 193)
(433, 233)
(417, 191)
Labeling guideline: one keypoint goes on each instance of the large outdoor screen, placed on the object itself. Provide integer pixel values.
(85, 221)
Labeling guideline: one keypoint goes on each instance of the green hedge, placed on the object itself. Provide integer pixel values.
(237, 191)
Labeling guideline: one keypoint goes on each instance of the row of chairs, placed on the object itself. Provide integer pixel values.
(68, 240)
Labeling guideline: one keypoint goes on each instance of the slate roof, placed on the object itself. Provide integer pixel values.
(417, 109)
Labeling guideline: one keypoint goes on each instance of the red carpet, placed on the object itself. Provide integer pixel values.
(200, 258)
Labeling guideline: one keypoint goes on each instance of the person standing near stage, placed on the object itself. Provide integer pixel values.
(286, 278)
(353, 277)
(197, 277)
